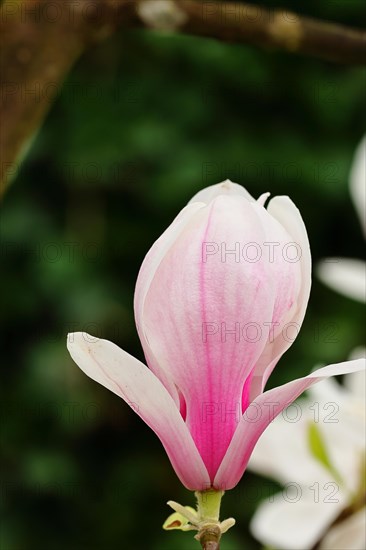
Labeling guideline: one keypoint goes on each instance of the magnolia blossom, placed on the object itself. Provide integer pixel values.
(219, 298)
(348, 275)
(324, 484)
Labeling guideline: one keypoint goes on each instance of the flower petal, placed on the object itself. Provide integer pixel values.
(199, 303)
(342, 424)
(349, 533)
(226, 187)
(344, 275)
(282, 452)
(259, 415)
(292, 520)
(146, 274)
(357, 181)
(356, 383)
(287, 214)
(125, 376)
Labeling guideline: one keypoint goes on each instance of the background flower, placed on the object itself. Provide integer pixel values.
(348, 275)
(320, 459)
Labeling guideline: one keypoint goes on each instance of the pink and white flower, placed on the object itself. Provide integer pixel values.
(219, 298)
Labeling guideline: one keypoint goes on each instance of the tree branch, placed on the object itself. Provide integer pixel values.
(42, 39)
(278, 29)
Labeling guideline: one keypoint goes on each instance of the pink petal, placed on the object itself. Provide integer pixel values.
(125, 376)
(261, 412)
(190, 305)
(146, 274)
(227, 188)
(284, 212)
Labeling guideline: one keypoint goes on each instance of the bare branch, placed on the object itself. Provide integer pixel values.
(277, 29)
(248, 24)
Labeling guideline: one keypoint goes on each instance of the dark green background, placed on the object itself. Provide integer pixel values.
(142, 123)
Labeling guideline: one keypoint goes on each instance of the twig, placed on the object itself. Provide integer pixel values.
(278, 29)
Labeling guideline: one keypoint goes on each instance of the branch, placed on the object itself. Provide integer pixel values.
(248, 24)
(42, 39)
(278, 29)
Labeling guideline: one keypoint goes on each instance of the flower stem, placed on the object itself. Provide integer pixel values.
(205, 520)
(208, 504)
(209, 538)
(208, 507)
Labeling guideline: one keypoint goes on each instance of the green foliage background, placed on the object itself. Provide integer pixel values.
(142, 123)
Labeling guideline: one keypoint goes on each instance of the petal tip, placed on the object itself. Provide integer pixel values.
(79, 339)
(263, 198)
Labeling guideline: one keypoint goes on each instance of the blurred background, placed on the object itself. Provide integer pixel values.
(143, 122)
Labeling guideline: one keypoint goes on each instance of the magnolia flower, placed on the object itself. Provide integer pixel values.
(219, 298)
(348, 275)
(327, 476)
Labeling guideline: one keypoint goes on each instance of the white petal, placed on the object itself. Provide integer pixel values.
(292, 524)
(328, 390)
(357, 353)
(357, 180)
(125, 376)
(263, 198)
(350, 534)
(282, 452)
(356, 382)
(226, 187)
(344, 275)
(341, 421)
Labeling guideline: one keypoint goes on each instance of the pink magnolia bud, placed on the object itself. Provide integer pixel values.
(220, 296)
